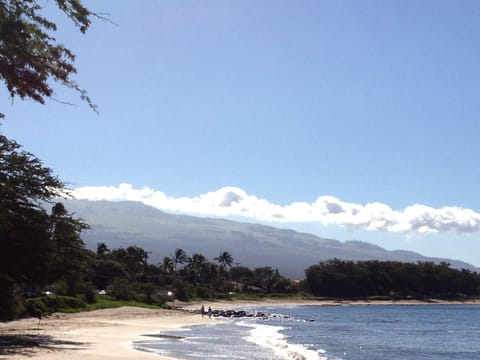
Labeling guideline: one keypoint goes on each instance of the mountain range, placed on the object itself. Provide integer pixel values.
(126, 223)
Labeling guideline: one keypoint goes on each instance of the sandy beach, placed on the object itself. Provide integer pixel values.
(100, 334)
(108, 333)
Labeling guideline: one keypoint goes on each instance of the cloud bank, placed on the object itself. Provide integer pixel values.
(326, 210)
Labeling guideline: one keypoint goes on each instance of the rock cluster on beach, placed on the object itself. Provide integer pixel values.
(232, 313)
(239, 314)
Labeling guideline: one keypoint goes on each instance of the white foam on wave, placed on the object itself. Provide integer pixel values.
(271, 337)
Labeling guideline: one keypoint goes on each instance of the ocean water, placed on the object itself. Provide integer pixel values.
(391, 332)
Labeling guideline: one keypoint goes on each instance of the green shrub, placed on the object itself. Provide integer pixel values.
(89, 296)
(159, 299)
(147, 291)
(121, 289)
(37, 307)
(142, 298)
(204, 292)
(42, 306)
(183, 291)
(60, 287)
(58, 303)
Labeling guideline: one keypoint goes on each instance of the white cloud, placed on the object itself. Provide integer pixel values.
(326, 210)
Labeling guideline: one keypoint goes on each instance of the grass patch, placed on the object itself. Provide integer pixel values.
(106, 302)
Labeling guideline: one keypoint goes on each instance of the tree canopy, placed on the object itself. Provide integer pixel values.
(30, 56)
(36, 247)
(24, 181)
(348, 279)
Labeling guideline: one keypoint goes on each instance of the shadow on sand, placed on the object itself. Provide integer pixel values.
(27, 344)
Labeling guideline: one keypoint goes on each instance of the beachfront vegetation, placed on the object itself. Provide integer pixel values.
(391, 279)
(37, 247)
(126, 278)
(126, 275)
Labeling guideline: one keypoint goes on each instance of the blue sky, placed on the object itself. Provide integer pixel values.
(344, 107)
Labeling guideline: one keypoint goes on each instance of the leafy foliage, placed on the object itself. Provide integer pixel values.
(224, 259)
(42, 306)
(179, 257)
(127, 275)
(30, 56)
(37, 247)
(24, 181)
(348, 279)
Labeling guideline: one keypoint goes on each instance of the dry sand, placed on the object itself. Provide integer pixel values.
(100, 334)
(108, 334)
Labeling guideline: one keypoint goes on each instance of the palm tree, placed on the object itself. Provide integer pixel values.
(197, 265)
(168, 265)
(102, 250)
(224, 259)
(179, 257)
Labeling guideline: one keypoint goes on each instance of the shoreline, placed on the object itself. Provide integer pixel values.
(110, 333)
(99, 334)
(269, 302)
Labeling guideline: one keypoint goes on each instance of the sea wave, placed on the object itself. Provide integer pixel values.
(271, 337)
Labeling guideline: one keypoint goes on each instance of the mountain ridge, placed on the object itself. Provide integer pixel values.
(126, 223)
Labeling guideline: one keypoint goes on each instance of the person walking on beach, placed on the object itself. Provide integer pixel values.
(209, 312)
(202, 310)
